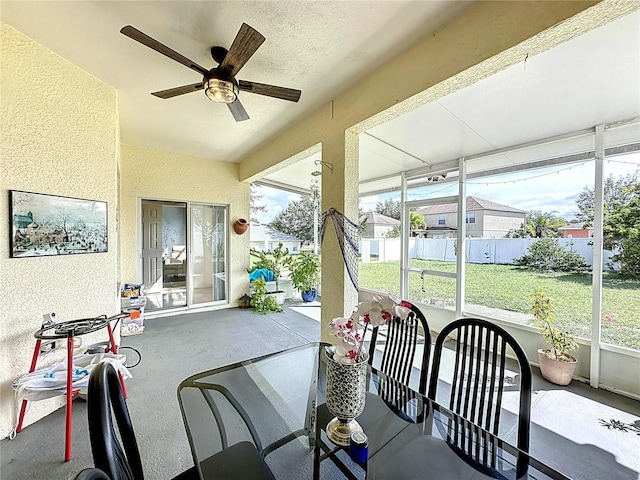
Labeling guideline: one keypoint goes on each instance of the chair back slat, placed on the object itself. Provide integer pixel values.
(500, 384)
(485, 413)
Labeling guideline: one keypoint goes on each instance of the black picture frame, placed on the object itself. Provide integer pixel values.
(43, 225)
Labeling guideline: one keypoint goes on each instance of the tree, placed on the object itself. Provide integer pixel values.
(622, 231)
(522, 232)
(296, 220)
(390, 208)
(616, 189)
(362, 223)
(544, 224)
(416, 222)
(255, 199)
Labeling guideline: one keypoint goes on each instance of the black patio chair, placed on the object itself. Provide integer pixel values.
(401, 339)
(477, 385)
(91, 474)
(104, 396)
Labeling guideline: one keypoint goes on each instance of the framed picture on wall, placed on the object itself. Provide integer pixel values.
(43, 225)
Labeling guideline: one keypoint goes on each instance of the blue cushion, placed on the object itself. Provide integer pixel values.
(262, 273)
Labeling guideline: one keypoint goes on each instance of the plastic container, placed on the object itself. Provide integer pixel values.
(359, 447)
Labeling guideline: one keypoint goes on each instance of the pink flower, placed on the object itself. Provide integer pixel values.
(608, 319)
(345, 353)
(350, 331)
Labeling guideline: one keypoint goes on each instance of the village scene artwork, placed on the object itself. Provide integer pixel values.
(51, 225)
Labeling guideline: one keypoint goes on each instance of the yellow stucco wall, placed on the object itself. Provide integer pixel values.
(59, 136)
(159, 175)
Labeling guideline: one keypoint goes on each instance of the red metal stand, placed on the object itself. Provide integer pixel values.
(114, 350)
(70, 392)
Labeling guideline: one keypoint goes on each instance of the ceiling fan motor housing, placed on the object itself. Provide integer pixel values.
(219, 86)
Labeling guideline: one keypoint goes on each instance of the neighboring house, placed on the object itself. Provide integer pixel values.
(23, 221)
(377, 225)
(485, 219)
(576, 230)
(265, 238)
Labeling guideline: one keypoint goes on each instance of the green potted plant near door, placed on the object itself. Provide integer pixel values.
(305, 275)
(556, 364)
(260, 301)
(276, 261)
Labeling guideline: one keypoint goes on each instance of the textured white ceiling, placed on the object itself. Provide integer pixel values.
(321, 48)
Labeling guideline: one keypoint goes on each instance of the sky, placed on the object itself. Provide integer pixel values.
(275, 200)
(553, 189)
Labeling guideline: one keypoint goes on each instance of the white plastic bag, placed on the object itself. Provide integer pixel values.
(52, 381)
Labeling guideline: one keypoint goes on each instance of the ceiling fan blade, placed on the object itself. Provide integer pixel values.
(270, 90)
(243, 47)
(174, 92)
(145, 39)
(238, 111)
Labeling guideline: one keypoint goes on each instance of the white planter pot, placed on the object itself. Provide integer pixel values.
(279, 296)
(556, 371)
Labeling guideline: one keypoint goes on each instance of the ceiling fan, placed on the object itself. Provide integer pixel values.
(219, 83)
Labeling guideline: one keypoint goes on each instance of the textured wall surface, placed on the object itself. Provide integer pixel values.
(59, 136)
(159, 175)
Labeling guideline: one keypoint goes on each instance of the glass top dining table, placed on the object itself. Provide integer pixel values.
(277, 402)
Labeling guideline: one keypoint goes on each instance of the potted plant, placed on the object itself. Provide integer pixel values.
(276, 261)
(261, 301)
(556, 364)
(305, 275)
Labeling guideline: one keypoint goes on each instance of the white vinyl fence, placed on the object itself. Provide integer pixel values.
(479, 250)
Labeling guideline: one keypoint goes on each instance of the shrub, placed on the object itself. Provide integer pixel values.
(571, 262)
(260, 301)
(547, 254)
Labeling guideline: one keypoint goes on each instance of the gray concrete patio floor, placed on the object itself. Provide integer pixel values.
(576, 429)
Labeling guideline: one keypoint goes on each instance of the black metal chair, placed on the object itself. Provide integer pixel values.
(91, 474)
(401, 339)
(244, 459)
(104, 396)
(401, 346)
(477, 385)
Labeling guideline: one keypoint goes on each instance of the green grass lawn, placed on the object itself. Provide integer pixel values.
(509, 289)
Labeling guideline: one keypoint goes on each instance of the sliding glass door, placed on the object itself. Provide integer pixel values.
(208, 254)
(184, 254)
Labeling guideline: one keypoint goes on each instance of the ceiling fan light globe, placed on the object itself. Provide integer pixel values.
(221, 91)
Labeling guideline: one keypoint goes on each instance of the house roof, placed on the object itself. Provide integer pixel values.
(575, 226)
(473, 204)
(260, 233)
(374, 218)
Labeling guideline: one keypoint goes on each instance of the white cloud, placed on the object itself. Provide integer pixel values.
(274, 200)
